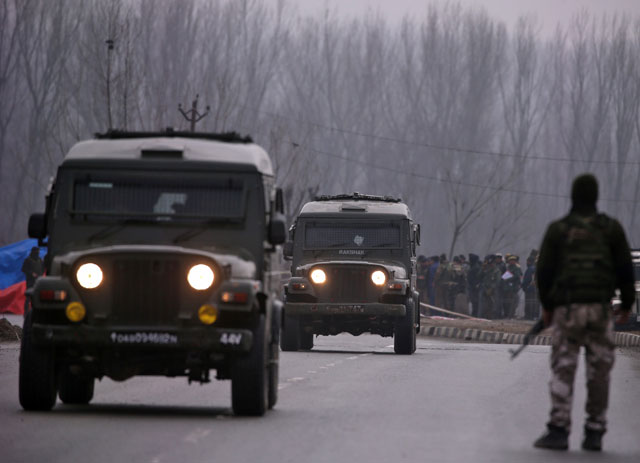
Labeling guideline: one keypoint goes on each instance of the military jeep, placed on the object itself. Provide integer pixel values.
(353, 270)
(160, 251)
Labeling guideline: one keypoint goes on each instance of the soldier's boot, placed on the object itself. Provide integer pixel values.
(592, 440)
(556, 438)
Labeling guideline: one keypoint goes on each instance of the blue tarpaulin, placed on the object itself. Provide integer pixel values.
(12, 280)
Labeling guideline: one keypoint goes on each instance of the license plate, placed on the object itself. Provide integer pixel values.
(346, 308)
(144, 337)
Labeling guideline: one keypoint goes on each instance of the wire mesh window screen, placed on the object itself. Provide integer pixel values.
(347, 236)
(215, 199)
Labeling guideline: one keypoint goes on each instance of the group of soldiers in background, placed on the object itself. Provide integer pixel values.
(491, 287)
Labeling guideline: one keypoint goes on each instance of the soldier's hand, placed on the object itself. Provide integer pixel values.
(621, 316)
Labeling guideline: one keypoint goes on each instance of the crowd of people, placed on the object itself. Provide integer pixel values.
(489, 287)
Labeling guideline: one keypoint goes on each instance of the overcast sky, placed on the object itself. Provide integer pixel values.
(549, 12)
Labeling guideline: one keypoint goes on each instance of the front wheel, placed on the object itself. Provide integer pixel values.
(404, 332)
(74, 389)
(37, 374)
(274, 363)
(250, 377)
(289, 338)
(306, 340)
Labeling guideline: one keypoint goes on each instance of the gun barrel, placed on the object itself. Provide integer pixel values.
(532, 333)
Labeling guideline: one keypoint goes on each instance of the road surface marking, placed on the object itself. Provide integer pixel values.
(197, 435)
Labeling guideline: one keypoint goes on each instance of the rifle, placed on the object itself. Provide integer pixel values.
(533, 332)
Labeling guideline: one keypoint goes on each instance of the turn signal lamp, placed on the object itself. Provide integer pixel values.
(208, 314)
(395, 286)
(75, 312)
(229, 297)
(378, 277)
(89, 275)
(318, 276)
(53, 295)
(200, 277)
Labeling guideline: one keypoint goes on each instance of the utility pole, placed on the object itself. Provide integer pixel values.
(192, 115)
(109, 43)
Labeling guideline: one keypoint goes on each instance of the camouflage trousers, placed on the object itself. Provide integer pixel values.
(589, 325)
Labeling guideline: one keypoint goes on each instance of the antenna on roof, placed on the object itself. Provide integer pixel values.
(192, 115)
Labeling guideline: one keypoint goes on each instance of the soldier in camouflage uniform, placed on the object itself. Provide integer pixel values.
(584, 258)
(509, 287)
(531, 301)
(489, 281)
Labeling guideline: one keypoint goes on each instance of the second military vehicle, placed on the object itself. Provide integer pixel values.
(353, 270)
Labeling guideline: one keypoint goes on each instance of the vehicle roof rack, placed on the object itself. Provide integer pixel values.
(355, 196)
(229, 137)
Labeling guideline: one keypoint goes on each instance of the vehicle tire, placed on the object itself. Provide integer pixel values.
(417, 312)
(37, 374)
(289, 338)
(75, 390)
(306, 340)
(274, 365)
(404, 333)
(250, 376)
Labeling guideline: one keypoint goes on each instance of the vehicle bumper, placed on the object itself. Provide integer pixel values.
(208, 339)
(367, 309)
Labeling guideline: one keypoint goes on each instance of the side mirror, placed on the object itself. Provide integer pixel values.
(287, 250)
(277, 230)
(417, 233)
(37, 226)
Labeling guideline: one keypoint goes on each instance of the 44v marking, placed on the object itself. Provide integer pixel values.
(233, 339)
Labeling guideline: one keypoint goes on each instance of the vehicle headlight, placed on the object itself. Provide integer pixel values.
(200, 277)
(89, 275)
(318, 276)
(378, 277)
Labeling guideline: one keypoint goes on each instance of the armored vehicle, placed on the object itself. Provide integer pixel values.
(353, 267)
(160, 249)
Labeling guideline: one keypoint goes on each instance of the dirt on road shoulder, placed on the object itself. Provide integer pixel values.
(9, 332)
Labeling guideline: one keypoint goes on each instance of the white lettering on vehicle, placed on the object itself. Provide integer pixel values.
(144, 338)
(231, 338)
(357, 252)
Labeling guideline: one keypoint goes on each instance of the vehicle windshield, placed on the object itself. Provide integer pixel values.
(159, 199)
(372, 235)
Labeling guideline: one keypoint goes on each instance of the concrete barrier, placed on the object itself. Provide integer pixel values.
(498, 337)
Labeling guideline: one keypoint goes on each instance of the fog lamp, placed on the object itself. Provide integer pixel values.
(208, 314)
(318, 276)
(200, 277)
(378, 277)
(75, 311)
(89, 275)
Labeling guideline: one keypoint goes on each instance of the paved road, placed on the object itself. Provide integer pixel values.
(349, 400)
